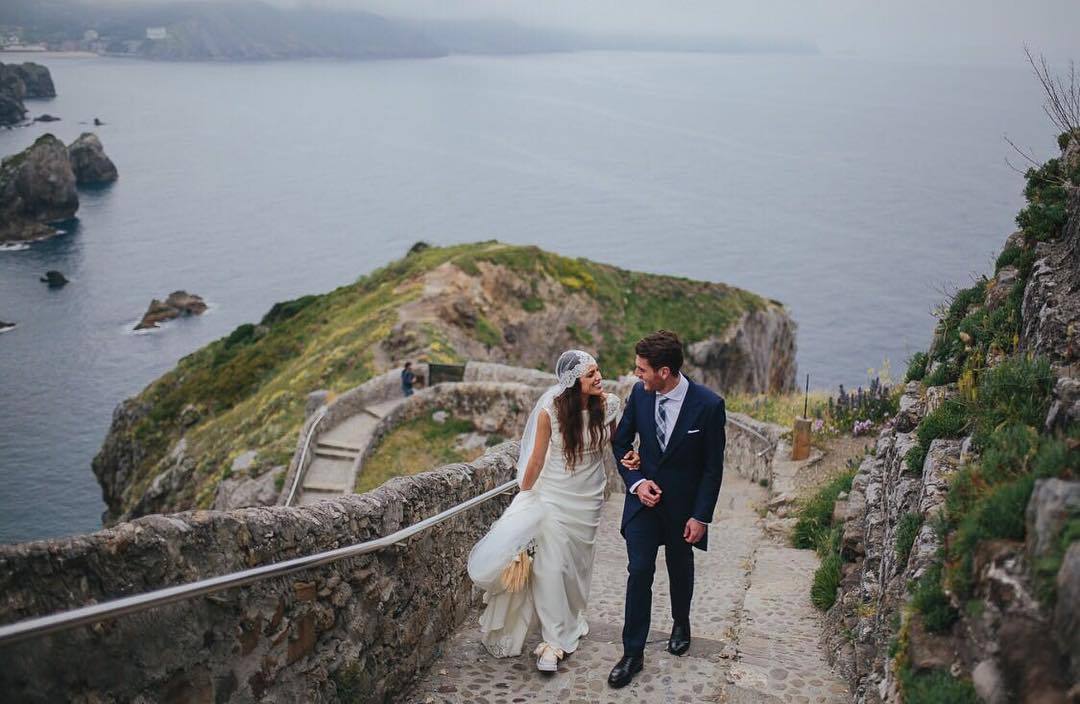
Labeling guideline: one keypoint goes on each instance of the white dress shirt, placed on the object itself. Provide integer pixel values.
(672, 406)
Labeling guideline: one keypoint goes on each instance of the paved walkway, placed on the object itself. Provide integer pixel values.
(336, 454)
(755, 631)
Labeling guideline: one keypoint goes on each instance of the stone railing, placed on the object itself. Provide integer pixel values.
(362, 627)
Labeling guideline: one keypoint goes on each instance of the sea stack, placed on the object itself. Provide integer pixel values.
(89, 162)
(37, 187)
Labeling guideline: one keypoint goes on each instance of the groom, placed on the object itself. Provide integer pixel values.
(673, 482)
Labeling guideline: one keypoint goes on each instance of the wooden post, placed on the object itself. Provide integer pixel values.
(800, 441)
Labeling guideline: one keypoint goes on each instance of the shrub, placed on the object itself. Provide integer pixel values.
(1056, 458)
(906, 531)
(946, 373)
(1015, 391)
(917, 367)
(826, 581)
(963, 300)
(874, 404)
(947, 421)
(1008, 453)
(1008, 257)
(487, 333)
(999, 514)
(287, 309)
(532, 304)
(1045, 214)
(815, 515)
(928, 598)
(915, 458)
(935, 687)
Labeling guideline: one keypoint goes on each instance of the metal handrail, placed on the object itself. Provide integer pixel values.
(747, 428)
(94, 613)
(303, 454)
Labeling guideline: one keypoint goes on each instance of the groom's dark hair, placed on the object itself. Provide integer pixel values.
(661, 349)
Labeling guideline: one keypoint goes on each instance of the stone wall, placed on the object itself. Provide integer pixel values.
(751, 445)
(367, 625)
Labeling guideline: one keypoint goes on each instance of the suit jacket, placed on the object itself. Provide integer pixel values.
(690, 469)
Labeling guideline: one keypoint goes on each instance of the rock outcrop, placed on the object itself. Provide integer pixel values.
(54, 278)
(177, 304)
(88, 161)
(37, 187)
(1051, 306)
(36, 79)
(20, 81)
(481, 302)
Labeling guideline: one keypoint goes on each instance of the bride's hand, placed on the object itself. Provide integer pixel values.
(631, 460)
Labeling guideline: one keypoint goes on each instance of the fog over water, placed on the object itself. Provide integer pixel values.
(851, 188)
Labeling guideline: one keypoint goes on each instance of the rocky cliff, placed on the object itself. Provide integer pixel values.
(20, 81)
(961, 566)
(170, 446)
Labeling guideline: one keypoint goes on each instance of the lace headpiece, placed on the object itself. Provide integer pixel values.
(572, 365)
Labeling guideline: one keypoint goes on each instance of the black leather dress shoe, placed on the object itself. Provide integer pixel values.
(679, 642)
(625, 670)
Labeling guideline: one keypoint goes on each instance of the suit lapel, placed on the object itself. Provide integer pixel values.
(688, 414)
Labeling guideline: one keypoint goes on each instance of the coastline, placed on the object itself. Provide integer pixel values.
(22, 53)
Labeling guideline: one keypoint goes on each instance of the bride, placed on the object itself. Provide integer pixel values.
(551, 522)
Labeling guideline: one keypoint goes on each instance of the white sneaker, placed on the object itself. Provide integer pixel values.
(547, 657)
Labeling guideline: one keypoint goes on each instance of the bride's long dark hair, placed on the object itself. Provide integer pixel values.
(568, 410)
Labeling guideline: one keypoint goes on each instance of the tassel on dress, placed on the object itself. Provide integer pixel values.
(515, 576)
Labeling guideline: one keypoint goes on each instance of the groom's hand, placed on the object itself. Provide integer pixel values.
(648, 492)
(694, 531)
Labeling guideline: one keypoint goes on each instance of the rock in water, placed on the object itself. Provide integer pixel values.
(88, 161)
(37, 186)
(19, 81)
(12, 91)
(46, 118)
(178, 303)
(36, 79)
(54, 278)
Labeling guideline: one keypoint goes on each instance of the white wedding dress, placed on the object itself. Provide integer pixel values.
(561, 514)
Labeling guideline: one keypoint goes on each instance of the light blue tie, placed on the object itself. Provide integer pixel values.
(661, 423)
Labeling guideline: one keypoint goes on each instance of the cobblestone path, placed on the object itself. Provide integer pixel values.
(755, 633)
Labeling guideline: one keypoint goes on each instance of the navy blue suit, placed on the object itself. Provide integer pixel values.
(688, 472)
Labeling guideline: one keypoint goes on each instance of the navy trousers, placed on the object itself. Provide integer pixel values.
(644, 534)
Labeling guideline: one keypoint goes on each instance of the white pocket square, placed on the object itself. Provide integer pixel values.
(691, 432)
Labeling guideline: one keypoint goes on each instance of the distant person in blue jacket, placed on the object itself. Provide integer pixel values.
(408, 378)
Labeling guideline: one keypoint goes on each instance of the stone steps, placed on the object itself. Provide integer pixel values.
(335, 455)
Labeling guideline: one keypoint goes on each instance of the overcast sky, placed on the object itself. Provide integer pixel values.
(956, 29)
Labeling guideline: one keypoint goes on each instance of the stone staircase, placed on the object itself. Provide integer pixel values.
(336, 455)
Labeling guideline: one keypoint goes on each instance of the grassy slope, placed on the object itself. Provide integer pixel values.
(415, 446)
(250, 387)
